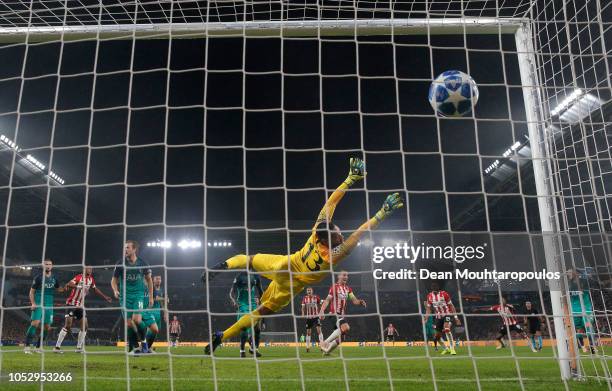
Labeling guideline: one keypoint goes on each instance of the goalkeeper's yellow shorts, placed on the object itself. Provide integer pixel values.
(281, 291)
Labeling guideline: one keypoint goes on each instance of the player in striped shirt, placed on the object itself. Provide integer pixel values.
(439, 302)
(506, 311)
(339, 294)
(175, 331)
(310, 310)
(390, 332)
(79, 288)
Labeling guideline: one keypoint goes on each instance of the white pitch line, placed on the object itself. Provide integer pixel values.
(313, 379)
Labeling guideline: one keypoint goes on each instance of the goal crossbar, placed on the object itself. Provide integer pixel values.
(306, 28)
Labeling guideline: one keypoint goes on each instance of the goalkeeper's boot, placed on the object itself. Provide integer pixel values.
(27, 349)
(57, 350)
(215, 343)
(242, 354)
(453, 352)
(257, 354)
(445, 351)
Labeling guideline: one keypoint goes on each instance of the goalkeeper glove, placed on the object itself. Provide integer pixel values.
(356, 171)
(393, 202)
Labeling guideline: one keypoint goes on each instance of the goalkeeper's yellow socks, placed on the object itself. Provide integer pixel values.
(237, 262)
(245, 322)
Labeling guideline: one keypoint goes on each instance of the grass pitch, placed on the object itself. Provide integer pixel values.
(406, 368)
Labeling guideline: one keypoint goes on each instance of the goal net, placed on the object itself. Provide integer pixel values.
(206, 129)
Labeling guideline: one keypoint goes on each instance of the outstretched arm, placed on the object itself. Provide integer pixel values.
(356, 173)
(393, 202)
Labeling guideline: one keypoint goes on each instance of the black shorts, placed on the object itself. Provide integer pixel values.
(390, 338)
(173, 336)
(336, 321)
(534, 327)
(439, 323)
(312, 322)
(513, 327)
(76, 313)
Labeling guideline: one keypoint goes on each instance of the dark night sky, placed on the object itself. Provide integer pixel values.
(300, 125)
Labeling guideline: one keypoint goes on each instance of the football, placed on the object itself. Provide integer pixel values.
(453, 94)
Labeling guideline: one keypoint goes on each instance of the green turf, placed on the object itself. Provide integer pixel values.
(365, 369)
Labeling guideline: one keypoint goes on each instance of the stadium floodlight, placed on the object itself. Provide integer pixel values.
(35, 162)
(506, 154)
(160, 244)
(224, 243)
(566, 102)
(56, 177)
(7, 142)
(187, 244)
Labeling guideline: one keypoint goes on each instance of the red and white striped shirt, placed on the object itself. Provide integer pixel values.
(440, 303)
(391, 330)
(340, 294)
(78, 293)
(175, 327)
(506, 312)
(311, 305)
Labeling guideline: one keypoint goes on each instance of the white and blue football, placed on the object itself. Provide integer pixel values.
(453, 94)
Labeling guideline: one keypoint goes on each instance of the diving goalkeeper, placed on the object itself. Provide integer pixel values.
(291, 273)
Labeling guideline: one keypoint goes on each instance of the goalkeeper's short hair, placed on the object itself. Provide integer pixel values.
(324, 231)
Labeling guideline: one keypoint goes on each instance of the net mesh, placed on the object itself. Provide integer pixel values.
(230, 143)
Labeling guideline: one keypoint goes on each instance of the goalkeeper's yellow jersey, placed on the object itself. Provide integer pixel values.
(313, 261)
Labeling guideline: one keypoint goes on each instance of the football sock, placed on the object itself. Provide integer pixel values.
(257, 333)
(132, 338)
(332, 345)
(333, 336)
(41, 338)
(591, 341)
(533, 341)
(150, 337)
(308, 341)
(81, 339)
(30, 334)
(580, 340)
(451, 342)
(60, 337)
(244, 336)
(539, 342)
(243, 323)
(142, 331)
